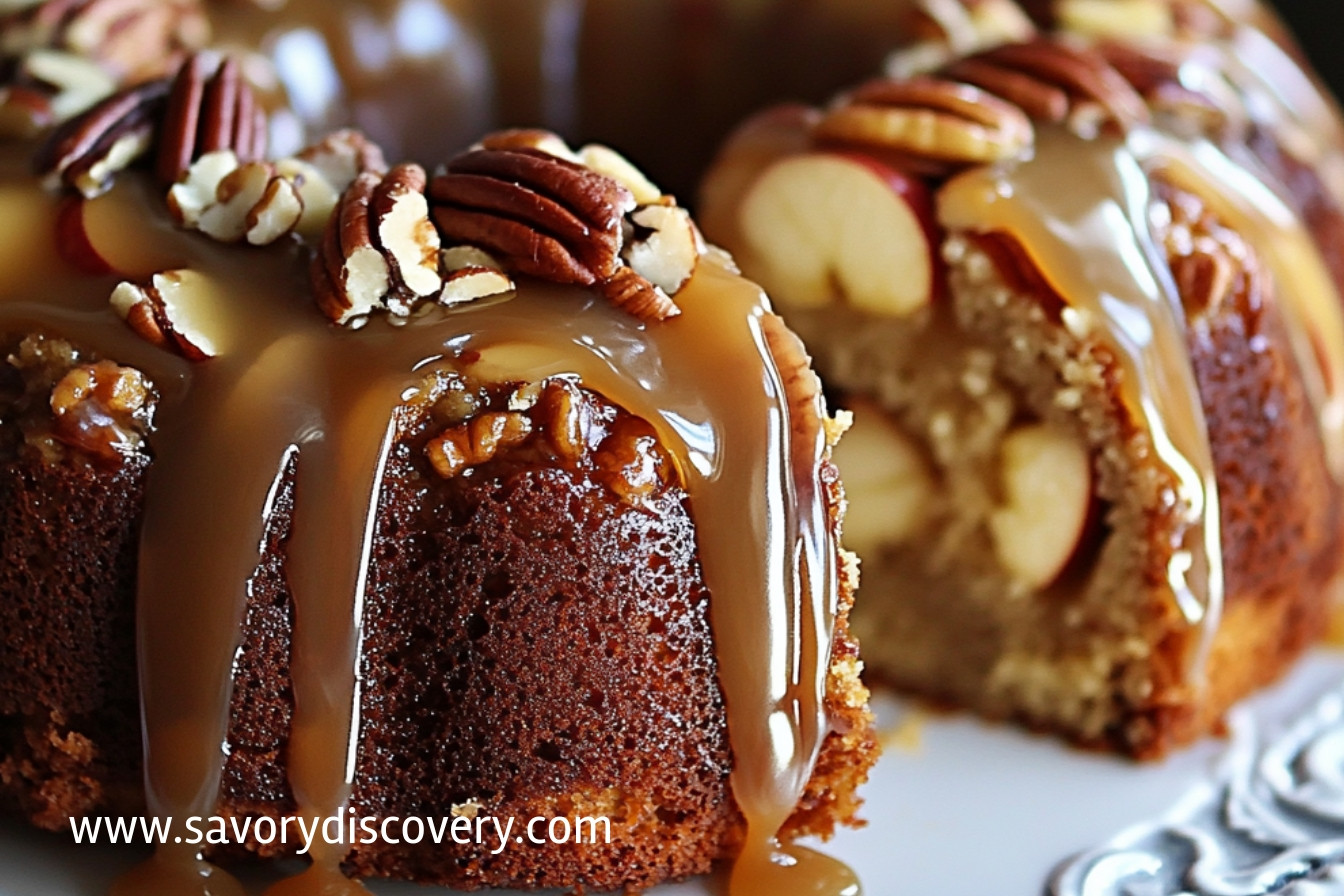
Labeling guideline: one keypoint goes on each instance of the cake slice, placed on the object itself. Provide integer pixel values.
(1081, 290)
(333, 490)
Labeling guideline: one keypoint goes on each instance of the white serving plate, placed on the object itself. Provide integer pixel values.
(961, 807)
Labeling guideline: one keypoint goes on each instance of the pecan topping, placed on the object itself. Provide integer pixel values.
(211, 108)
(941, 30)
(344, 155)
(132, 39)
(165, 312)
(229, 202)
(1054, 82)
(469, 273)
(404, 231)
(632, 293)
(47, 87)
(103, 409)
(802, 386)
(540, 214)
(380, 252)
(1212, 109)
(937, 124)
(88, 149)
(471, 444)
(589, 218)
(1210, 263)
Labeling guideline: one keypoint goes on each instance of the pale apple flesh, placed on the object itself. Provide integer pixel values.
(888, 483)
(820, 229)
(1046, 479)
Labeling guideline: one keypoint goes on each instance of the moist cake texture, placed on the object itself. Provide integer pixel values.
(1079, 280)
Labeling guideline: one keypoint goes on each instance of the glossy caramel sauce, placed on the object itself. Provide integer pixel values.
(1080, 210)
(287, 382)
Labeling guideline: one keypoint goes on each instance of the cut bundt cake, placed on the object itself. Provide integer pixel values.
(1080, 287)
(334, 490)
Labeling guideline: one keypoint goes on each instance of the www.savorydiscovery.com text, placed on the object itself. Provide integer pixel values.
(495, 833)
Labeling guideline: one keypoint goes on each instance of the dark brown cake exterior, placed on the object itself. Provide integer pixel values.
(558, 589)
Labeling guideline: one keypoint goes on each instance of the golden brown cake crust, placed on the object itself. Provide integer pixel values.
(533, 644)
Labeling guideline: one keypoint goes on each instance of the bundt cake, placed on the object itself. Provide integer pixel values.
(339, 490)
(1076, 269)
(662, 79)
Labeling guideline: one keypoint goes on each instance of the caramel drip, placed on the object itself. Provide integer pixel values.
(1278, 93)
(287, 381)
(1304, 290)
(1080, 210)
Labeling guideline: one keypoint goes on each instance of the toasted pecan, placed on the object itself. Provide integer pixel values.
(1055, 82)
(88, 149)
(211, 107)
(540, 214)
(936, 121)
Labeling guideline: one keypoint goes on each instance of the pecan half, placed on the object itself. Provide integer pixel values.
(132, 39)
(802, 386)
(1190, 97)
(211, 107)
(47, 87)
(88, 149)
(539, 214)
(163, 312)
(635, 295)
(938, 124)
(1054, 82)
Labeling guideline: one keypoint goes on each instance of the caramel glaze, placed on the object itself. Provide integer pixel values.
(1080, 210)
(287, 381)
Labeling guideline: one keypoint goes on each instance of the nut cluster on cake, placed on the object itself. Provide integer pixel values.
(382, 239)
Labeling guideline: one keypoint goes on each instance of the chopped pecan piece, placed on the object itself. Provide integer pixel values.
(469, 273)
(380, 252)
(132, 39)
(405, 233)
(943, 30)
(1054, 82)
(471, 444)
(103, 409)
(211, 107)
(163, 312)
(635, 295)
(631, 461)
(344, 155)
(230, 201)
(48, 87)
(88, 149)
(567, 419)
(937, 124)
